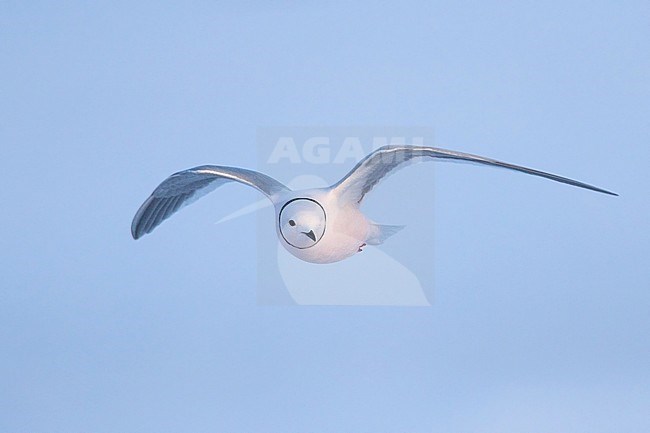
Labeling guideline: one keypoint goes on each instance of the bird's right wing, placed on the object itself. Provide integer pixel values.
(185, 187)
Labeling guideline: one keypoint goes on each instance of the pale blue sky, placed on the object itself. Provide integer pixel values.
(542, 310)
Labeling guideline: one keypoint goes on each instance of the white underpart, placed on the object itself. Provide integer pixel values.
(346, 229)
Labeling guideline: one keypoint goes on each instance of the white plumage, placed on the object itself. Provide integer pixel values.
(322, 225)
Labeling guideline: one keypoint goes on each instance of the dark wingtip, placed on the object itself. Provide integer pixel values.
(592, 188)
(135, 233)
(138, 228)
(604, 191)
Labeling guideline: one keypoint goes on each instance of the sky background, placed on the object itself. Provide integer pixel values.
(541, 314)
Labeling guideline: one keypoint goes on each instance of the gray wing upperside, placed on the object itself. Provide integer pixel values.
(386, 160)
(187, 186)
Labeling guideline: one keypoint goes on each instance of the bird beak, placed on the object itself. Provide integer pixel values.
(310, 234)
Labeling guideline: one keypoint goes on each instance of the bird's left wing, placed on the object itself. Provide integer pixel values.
(185, 187)
(385, 160)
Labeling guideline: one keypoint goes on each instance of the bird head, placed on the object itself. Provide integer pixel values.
(302, 222)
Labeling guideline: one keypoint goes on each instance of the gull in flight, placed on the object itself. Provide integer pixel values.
(321, 225)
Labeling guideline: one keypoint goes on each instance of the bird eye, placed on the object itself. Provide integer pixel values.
(292, 223)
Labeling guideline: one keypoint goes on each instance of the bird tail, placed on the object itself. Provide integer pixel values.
(379, 233)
